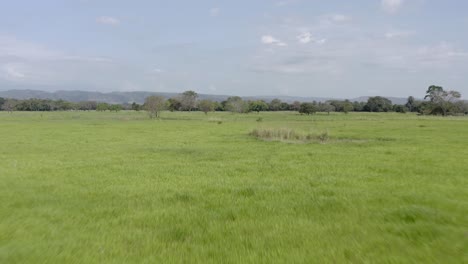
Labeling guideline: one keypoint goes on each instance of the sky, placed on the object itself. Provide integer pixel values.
(333, 48)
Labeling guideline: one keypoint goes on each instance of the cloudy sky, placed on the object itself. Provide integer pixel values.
(333, 48)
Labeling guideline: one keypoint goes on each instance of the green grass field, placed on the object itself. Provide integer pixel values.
(88, 187)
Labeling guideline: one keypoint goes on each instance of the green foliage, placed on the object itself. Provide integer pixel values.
(258, 106)
(102, 107)
(307, 108)
(411, 104)
(378, 104)
(174, 104)
(115, 108)
(275, 105)
(441, 102)
(400, 109)
(342, 106)
(326, 107)
(136, 107)
(206, 106)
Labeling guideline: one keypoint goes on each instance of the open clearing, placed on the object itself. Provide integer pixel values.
(117, 187)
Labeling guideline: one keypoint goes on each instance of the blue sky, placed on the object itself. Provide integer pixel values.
(332, 48)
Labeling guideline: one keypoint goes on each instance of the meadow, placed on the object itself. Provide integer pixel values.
(91, 187)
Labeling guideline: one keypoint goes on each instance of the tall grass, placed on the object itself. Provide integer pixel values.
(289, 135)
(88, 187)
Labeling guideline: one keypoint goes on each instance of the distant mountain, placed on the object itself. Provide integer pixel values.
(139, 97)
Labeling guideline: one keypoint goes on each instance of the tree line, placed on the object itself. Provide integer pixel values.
(437, 101)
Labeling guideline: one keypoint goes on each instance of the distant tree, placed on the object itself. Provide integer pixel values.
(400, 108)
(295, 106)
(62, 105)
(337, 104)
(2, 101)
(347, 106)
(218, 106)
(461, 107)
(284, 106)
(115, 108)
(154, 105)
(9, 105)
(378, 104)
(441, 101)
(87, 105)
(102, 107)
(358, 106)
(307, 108)
(188, 100)
(174, 104)
(258, 106)
(410, 103)
(326, 107)
(136, 107)
(206, 106)
(235, 104)
(275, 105)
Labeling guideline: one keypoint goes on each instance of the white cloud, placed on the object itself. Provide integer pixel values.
(215, 11)
(398, 34)
(339, 18)
(13, 47)
(107, 20)
(391, 6)
(13, 71)
(330, 19)
(270, 40)
(157, 71)
(30, 63)
(285, 2)
(306, 37)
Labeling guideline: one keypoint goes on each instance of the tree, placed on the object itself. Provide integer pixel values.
(326, 107)
(9, 105)
(174, 104)
(87, 105)
(258, 106)
(102, 107)
(206, 106)
(136, 107)
(400, 108)
(378, 104)
(441, 101)
(235, 104)
(410, 103)
(62, 105)
(358, 106)
(2, 101)
(188, 100)
(295, 106)
(275, 105)
(307, 108)
(115, 107)
(347, 106)
(154, 105)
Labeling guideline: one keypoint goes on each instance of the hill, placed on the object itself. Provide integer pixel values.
(139, 96)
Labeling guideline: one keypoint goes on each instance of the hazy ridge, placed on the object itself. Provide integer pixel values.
(139, 96)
